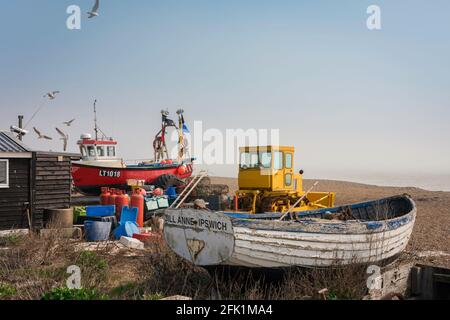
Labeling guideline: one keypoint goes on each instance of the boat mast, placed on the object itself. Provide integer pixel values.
(180, 135)
(95, 120)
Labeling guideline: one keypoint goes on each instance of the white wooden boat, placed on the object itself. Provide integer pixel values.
(371, 232)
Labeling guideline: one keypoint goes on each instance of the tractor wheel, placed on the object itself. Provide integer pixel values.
(167, 180)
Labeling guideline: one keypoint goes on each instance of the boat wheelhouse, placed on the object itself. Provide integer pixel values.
(101, 152)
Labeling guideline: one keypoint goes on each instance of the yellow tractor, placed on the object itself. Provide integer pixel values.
(267, 183)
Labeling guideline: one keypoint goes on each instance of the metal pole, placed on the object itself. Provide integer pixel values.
(298, 201)
(95, 120)
(20, 126)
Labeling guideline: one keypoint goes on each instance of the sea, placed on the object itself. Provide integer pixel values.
(431, 182)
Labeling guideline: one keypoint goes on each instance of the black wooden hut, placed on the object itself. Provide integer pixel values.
(30, 182)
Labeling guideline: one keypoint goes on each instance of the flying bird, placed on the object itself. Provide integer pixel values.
(64, 137)
(51, 95)
(68, 123)
(40, 135)
(94, 11)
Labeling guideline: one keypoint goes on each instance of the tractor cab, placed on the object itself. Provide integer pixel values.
(270, 168)
(268, 182)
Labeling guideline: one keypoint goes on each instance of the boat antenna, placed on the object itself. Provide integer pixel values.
(95, 120)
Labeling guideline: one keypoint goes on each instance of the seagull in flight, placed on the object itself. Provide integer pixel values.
(94, 12)
(64, 137)
(51, 95)
(68, 123)
(40, 135)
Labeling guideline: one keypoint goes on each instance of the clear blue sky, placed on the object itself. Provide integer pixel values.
(346, 97)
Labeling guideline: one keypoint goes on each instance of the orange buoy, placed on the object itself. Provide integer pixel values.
(158, 192)
(169, 161)
(122, 200)
(181, 170)
(137, 201)
(104, 197)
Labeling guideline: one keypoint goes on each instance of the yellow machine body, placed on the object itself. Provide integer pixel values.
(268, 182)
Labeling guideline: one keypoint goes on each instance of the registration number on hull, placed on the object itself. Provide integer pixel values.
(109, 173)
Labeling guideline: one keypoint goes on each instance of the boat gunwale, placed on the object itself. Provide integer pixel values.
(317, 225)
(131, 167)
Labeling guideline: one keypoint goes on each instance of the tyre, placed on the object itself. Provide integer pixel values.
(167, 180)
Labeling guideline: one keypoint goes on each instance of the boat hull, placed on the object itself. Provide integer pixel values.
(89, 179)
(306, 243)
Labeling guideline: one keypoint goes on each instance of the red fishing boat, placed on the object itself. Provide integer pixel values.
(100, 166)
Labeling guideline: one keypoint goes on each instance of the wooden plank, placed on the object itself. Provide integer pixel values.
(11, 201)
(12, 206)
(63, 173)
(53, 167)
(54, 191)
(10, 193)
(52, 197)
(52, 188)
(51, 159)
(46, 178)
(43, 203)
(12, 219)
(4, 207)
(52, 183)
(18, 180)
(53, 164)
(40, 209)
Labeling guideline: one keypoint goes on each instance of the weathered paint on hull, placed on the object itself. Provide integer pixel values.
(280, 249)
(310, 242)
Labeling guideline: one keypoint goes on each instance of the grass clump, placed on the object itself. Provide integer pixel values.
(91, 260)
(64, 293)
(7, 291)
(11, 240)
(153, 296)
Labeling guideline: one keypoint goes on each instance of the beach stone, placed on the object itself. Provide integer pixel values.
(177, 298)
(131, 243)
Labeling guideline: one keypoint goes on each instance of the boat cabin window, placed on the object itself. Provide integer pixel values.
(100, 151)
(278, 160)
(111, 151)
(4, 173)
(249, 160)
(288, 160)
(91, 151)
(83, 151)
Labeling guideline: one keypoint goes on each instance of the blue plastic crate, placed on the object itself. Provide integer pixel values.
(100, 211)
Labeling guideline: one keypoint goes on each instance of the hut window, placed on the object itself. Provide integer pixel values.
(4, 174)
